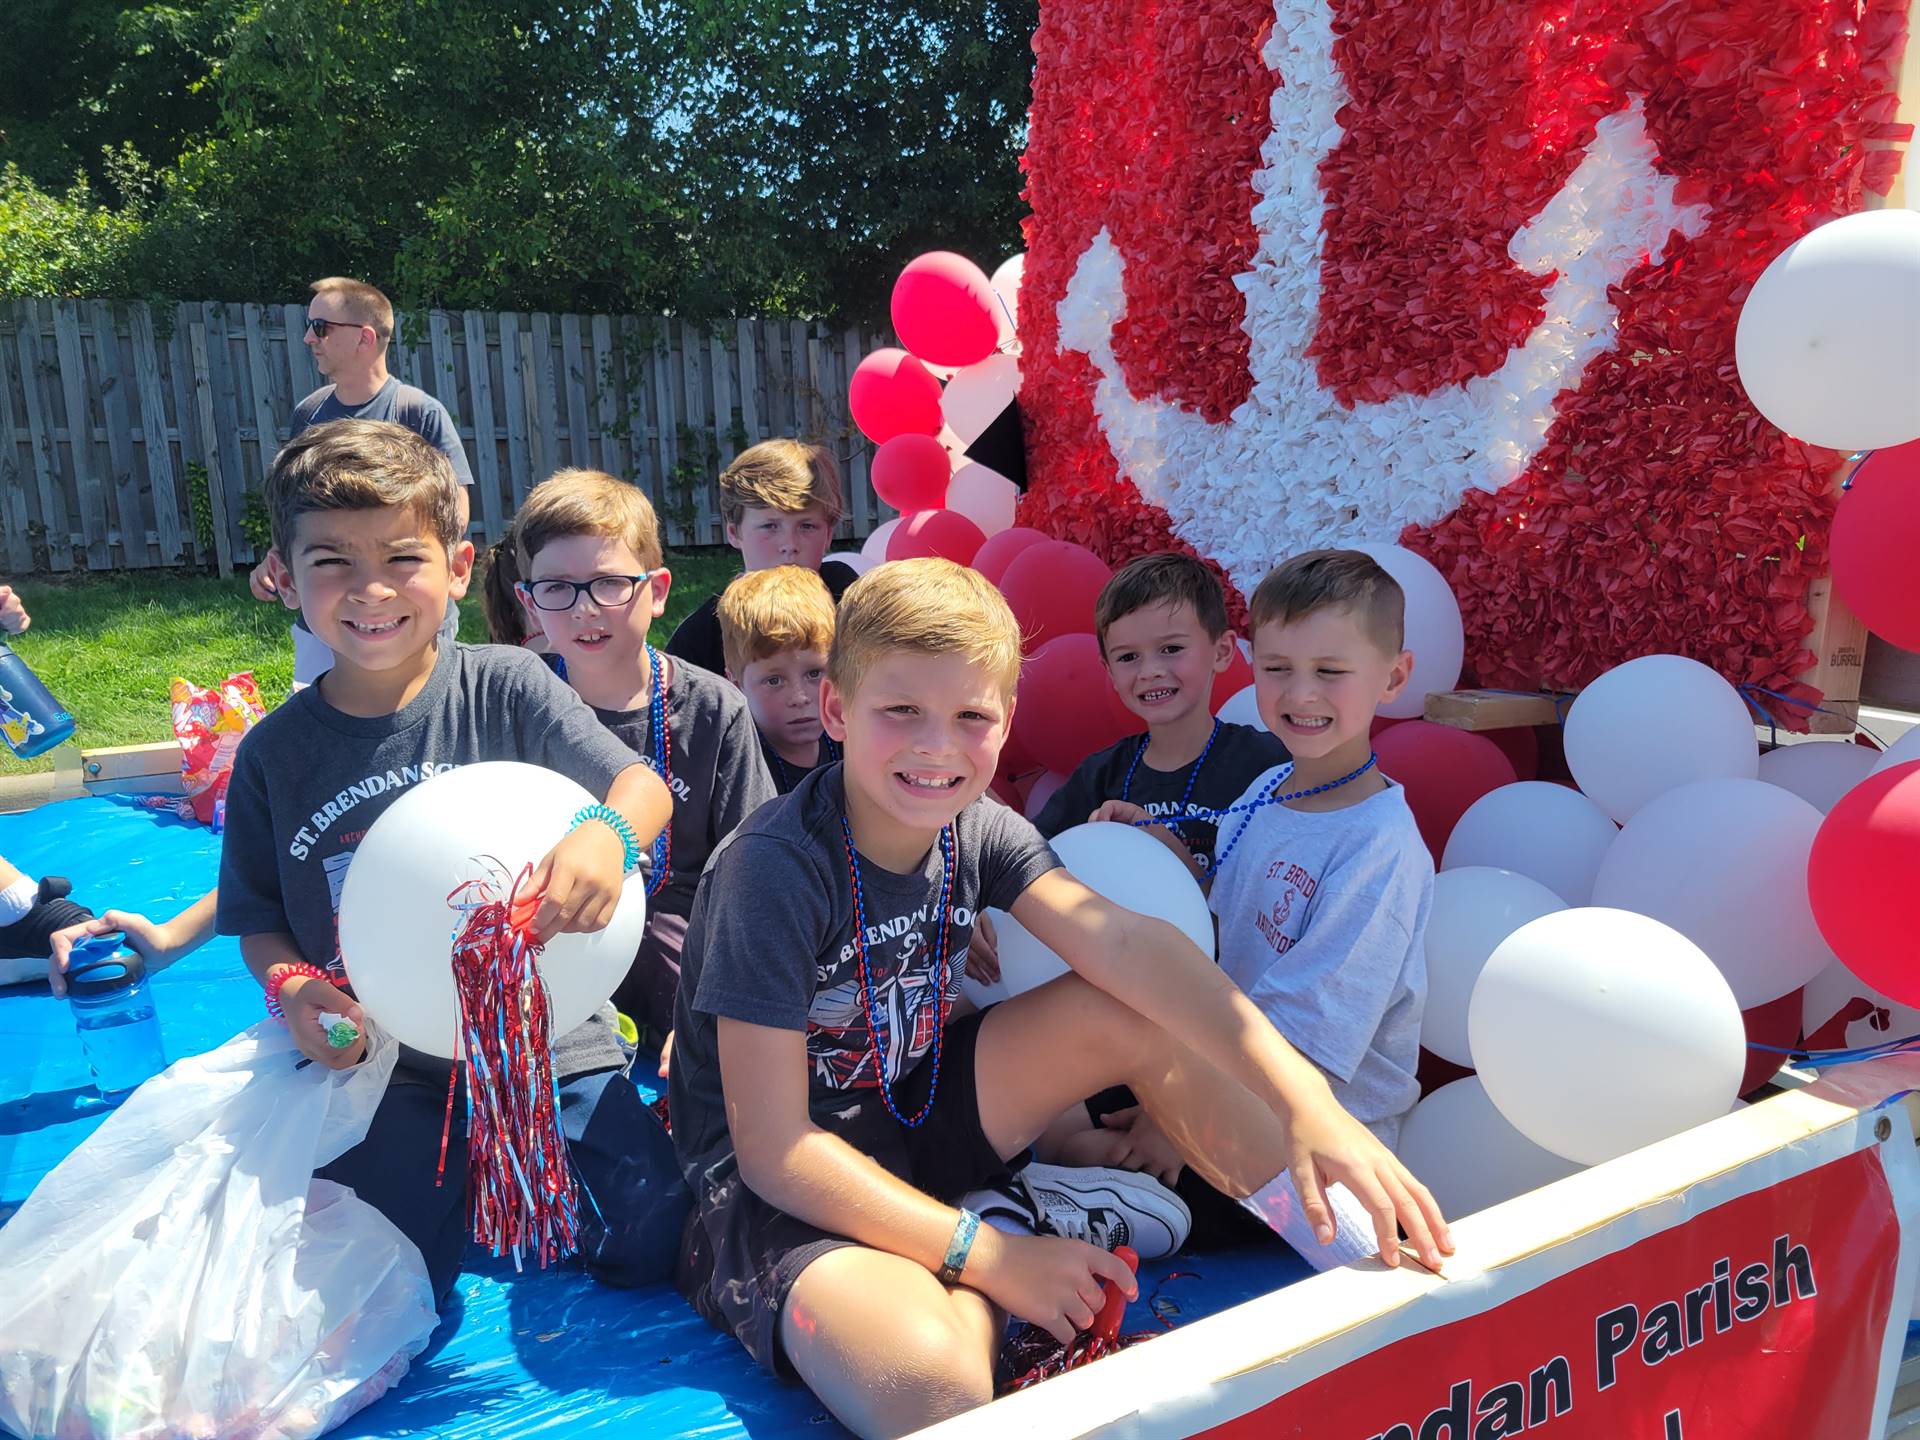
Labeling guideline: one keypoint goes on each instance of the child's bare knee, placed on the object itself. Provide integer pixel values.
(948, 1356)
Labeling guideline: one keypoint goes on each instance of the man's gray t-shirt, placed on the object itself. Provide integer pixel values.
(403, 405)
(771, 943)
(309, 779)
(1323, 919)
(719, 774)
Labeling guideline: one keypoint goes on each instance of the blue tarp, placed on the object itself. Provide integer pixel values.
(547, 1353)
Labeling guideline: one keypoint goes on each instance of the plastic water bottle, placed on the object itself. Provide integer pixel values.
(31, 720)
(113, 1011)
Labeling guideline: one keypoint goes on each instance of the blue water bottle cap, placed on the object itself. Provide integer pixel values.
(102, 965)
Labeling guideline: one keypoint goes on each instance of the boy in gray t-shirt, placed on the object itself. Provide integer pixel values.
(1321, 881)
(589, 551)
(364, 516)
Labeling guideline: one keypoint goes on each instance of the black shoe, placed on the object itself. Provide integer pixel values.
(31, 936)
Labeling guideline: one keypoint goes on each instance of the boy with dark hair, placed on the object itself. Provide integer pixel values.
(825, 1112)
(1162, 626)
(594, 581)
(780, 500)
(776, 627)
(365, 515)
(1323, 884)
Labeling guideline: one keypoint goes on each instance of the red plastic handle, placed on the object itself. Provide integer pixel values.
(1106, 1325)
(520, 914)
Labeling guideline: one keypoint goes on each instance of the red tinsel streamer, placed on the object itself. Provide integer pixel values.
(1034, 1355)
(524, 1198)
(1662, 514)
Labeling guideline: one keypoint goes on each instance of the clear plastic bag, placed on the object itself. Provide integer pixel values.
(183, 1274)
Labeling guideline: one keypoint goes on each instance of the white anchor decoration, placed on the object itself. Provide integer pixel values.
(1293, 468)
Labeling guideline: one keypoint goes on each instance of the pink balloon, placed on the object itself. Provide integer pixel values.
(945, 533)
(910, 472)
(944, 309)
(891, 394)
(999, 551)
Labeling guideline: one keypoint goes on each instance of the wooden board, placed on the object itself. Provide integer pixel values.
(485, 455)
(573, 372)
(516, 391)
(216, 469)
(1493, 709)
(113, 381)
(153, 433)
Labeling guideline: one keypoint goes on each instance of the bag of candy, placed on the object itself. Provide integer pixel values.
(209, 724)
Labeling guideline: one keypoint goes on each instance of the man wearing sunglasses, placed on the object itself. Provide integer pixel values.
(349, 325)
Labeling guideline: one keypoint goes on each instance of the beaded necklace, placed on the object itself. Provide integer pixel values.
(867, 997)
(1193, 775)
(1272, 797)
(660, 751)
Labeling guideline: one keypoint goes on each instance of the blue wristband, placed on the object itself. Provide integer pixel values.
(616, 822)
(959, 1247)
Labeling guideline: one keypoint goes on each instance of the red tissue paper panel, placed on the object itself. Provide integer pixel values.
(1660, 512)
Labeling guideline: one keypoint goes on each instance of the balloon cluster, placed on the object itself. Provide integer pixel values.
(1613, 961)
(957, 326)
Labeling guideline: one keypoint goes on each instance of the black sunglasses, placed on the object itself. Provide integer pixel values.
(609, 592)
(319, 328)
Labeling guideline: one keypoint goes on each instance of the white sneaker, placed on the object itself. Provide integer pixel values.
(1106, 1207)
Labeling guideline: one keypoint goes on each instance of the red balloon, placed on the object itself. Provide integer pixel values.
(910, 472)
(1444, 771)
(944, 310)
(1067, 708)
(1001, 549)
(1860, 880)
(1383, 723)
(946, 533)
(1052, 589)
(1775, 1023)
(1230, 681)
(1876, 533)
(891, 394)
(1521, 745)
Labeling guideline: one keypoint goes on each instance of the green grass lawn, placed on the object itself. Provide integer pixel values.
(108, 646)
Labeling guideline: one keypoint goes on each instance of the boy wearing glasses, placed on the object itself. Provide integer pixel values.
(349, 326)
(593, 581)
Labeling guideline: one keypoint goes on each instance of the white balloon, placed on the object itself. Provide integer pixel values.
(857, 561)
(1598, 1031)
(1127, 866)
(1434, 632)
(1818, 771)
(875, 548)
(1654, 723)
(1538, 829)
(1724, 862)
(1903, 751)
(1865, 1016)
(397, 930)
(1242, 708)
(1468, 1154)
(1474, 909)
(975, 397)
(984, 496)
(1005, 283)
(1828, 342)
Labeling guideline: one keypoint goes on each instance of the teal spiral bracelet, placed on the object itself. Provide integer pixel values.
(616, 822)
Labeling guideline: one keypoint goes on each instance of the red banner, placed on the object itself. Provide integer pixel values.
(1763, 1316)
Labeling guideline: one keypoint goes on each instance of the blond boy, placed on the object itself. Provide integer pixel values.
(780, 500)
(826, 1114)
(776, 627)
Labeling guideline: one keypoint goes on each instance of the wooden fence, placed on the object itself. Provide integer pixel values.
(135, 436)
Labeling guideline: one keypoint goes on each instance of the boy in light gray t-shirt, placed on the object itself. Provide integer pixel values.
(1322, 915)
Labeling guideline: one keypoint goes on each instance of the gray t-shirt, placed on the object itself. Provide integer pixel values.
(1323, 918)
(719, 774)
(1239, 753)
(771, 943)
(402, 404)
(308, 780)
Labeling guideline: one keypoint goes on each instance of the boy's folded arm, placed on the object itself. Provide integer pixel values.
(815, 1176)
(1155, 969)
